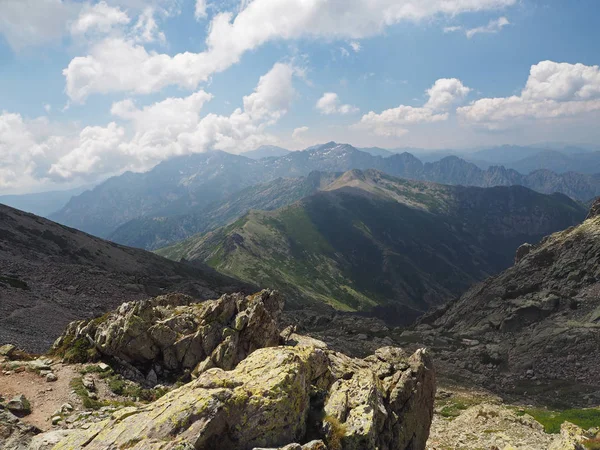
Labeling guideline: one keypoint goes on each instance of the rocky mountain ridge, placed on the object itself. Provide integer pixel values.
(152, 233)
(370, 240)
(534, 326)
(190, 183)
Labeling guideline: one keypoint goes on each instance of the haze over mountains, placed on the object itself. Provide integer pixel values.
(371, 240)
(185, 185)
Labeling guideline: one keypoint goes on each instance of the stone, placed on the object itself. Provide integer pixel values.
(66, 407)
(571, 437)
(15, 434)
(89, 383)
(55, 419)
(39, 364)
(7, 350)
(50, 377)
(19, 405)
(152, 378)
(103, 367)
(177, 334)
(264, 402)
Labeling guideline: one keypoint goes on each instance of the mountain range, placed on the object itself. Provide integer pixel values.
(186, 185)
(369, 241)
(51, 274)
(152, 233)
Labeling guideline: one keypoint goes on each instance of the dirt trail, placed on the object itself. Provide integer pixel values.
(45, 397)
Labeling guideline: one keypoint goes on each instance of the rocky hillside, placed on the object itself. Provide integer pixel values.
(536, 326)
(51, 275)
(251, 387)
(187, 184)
(155, 232)
(373, 241)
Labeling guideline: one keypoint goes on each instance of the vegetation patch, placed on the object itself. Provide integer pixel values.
(336, 432)
(79, 389)
(75, 351)
(552, 420)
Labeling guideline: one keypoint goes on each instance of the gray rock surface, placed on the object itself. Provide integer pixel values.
(175, 336)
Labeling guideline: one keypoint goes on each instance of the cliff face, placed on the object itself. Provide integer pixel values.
(538, 320)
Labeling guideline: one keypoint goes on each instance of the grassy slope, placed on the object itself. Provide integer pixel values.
(370, 239)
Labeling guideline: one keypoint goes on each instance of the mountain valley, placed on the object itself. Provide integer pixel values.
(369, 241)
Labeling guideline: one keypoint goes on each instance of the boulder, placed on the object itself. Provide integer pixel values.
(14, 434)
(269, 400)
(571, 437)
(174, 333)
(523, 251)
(7, 350)
(19, 405)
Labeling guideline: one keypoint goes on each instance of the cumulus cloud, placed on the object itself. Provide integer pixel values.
(114, 66)
(98, 18)
(494, 26)
(330, 103)
(299, 132)
(445, 93)
(174, 126)
(553, 91)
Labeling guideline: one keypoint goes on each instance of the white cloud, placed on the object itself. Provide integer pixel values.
(452, 29)
(200, 9)
(146, 28)
(330, 103)
(174, 126)
(392, 122)
(98, 18)
(97, 152)
(299, 132)
(494, 26)
(355, 46)
(114, 66)
(553, 91)
(345, 53)
(444, 93)
(47, 107)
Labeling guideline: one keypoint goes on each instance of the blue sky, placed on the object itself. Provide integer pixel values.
(89, 89)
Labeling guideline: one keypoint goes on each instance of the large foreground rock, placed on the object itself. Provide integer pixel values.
(172, 335)
(280, 396)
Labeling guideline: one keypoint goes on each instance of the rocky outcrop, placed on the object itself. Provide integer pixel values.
(594, 209)
(171, 336)
(281, 396)
(250, 392)
(536, 324)
(14, 434)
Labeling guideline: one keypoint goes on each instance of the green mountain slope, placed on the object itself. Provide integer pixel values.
(374, 241)
(154, 232)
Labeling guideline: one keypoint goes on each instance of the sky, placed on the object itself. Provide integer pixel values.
(90, 89)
